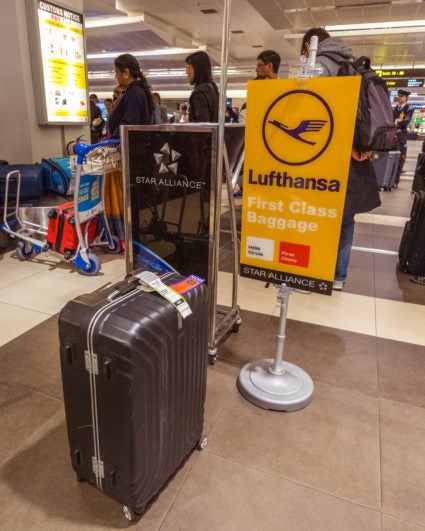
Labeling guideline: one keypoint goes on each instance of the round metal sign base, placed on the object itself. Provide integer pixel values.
(288, 389)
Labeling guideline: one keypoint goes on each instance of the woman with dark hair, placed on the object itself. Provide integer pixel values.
(203, 102)
(134, 106)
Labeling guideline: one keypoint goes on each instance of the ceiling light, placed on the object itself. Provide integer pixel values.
(146, 53)
(377, 25)
(103, 22)
(171, 73)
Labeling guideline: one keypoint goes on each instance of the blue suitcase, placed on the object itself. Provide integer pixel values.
(31, 183)
(57, 174)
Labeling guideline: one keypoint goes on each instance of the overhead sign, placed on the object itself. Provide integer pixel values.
(404, 82)
(59, 68)
(298, 143)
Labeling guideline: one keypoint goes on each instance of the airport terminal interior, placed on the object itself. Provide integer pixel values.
(353, 459)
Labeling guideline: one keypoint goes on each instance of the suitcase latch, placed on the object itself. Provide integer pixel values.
(97, 466)
(91, 362)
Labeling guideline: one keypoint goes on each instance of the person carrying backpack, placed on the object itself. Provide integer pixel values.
(362, 187)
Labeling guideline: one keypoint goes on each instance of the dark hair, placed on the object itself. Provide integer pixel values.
(157, 95)
(107, 99)
(126, 60)
(201, 66)
(270, 56)
(321, 33)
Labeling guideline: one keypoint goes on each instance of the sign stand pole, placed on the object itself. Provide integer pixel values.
(276, 384)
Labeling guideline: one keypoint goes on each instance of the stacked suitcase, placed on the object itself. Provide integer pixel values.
(385, 164)
(134, 382)
(31, 190)
(412, 246)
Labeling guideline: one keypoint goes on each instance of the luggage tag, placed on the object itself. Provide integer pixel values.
(154, 282)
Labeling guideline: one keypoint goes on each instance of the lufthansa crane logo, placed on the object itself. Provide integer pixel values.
(297, 127)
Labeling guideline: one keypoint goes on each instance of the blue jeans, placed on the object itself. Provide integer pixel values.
(344, 248)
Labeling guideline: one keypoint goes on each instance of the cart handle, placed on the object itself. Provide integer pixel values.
(83, 149)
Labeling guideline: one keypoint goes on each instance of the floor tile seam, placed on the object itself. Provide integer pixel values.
(31, 390)
(8, 303)
(34, 435)
(373, 220)
(23, 279)
(293, 481)
(315, 380)
(419, 524)
(225, 402)
(349, 330)
(383, 399)
(180, 488)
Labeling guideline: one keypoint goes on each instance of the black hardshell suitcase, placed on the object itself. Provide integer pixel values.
(31, 182)
(419, 177)
(134, 383)
(412, 245)
(385, 165)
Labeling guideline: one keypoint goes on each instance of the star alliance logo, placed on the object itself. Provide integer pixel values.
(166, 159)
(166, 174)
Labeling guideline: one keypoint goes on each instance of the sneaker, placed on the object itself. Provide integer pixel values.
(418, 279)
(338, 285)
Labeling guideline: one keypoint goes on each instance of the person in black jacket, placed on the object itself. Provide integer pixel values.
(203, 101)
(134, 106)
(402, 114)
(362, 188)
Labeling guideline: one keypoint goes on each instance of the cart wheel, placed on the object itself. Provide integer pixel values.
(115, 246)
(203, 441)
(94, 263)
(235, 328)
(25, 250)
(129, 513)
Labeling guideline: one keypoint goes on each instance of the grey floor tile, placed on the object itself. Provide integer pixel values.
(220, 494)
(401, 369)
(39, 490)
(403, 461)
(22, 412)
(331, 445)
(32, 360)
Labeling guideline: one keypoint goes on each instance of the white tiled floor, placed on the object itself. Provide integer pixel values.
(34, 290)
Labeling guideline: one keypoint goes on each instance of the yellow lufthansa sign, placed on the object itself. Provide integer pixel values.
(298, 142)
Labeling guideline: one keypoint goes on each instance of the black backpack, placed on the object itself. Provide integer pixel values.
(375, 129)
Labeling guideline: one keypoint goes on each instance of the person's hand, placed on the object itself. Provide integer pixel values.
(360, 156)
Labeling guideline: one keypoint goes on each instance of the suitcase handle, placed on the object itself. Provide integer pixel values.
(122, 289)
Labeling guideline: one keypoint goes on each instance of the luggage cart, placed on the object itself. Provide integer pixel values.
(93, 163)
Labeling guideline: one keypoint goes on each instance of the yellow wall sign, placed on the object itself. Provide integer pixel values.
(298, 140)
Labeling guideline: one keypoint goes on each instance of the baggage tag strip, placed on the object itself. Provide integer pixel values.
(179, 302)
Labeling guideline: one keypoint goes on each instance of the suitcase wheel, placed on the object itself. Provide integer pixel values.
(52, 214)
(24, 250)
(94, 265)
(116, 248)
(129, 513)
(202, 443)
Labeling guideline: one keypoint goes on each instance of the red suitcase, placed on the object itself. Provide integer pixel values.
(61, 232)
